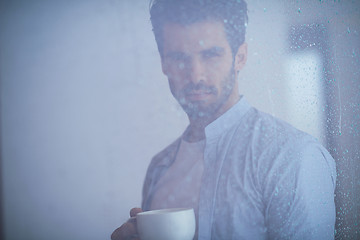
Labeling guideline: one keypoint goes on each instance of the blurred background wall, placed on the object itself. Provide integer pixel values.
(84, 105)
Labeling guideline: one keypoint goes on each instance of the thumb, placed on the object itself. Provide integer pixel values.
(135, 211)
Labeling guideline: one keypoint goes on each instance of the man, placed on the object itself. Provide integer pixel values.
(246, 174)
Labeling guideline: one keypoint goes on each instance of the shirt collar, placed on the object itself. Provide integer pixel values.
(212, 131)
(228, 119)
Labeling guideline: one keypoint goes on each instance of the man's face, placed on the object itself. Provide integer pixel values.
(198, 62)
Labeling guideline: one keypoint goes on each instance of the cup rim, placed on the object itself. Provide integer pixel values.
(164, 211)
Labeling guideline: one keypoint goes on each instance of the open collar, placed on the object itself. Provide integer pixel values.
(227, 120)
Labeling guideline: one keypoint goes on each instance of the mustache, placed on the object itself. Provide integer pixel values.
(199, 87)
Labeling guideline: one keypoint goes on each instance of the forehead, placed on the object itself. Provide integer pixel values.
(194, 37)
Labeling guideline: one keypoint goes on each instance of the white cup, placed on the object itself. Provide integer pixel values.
(166, 224)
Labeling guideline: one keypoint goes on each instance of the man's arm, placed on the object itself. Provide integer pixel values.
(301, 195)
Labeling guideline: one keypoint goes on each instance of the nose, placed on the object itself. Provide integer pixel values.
(196, 71)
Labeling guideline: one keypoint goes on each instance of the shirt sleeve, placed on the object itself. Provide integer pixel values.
(300, 194)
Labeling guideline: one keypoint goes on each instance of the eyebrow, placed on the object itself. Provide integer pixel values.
(213, 50)
(210, 51)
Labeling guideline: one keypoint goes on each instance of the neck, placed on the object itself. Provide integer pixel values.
(194, 133)
(196, 130)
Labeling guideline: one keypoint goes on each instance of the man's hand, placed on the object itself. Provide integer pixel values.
(128, 230)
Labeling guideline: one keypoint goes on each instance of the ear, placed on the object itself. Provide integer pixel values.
(240, 57)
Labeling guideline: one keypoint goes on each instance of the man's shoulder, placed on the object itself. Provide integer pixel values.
(268, 130)
(277, 143)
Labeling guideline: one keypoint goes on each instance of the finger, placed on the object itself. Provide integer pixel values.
(132, 220)
(124, 232)
(135, 211)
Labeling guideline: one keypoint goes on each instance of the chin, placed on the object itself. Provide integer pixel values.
(199, 111)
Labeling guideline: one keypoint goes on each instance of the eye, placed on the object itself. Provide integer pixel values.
(213, 53)
(178, 57)
(177, 60)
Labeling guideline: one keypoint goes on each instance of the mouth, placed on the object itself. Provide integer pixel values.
(198, 95)
(199, 92)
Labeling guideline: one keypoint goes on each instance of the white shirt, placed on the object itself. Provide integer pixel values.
(262, 179)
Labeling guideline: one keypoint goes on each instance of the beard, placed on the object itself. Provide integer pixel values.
(202, 108)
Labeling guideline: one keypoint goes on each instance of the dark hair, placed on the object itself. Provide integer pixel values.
(233, 14)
